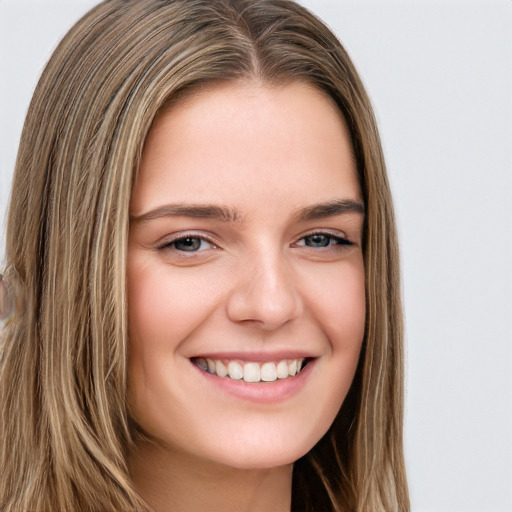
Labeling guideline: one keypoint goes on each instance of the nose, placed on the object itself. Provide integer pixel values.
(265, 293)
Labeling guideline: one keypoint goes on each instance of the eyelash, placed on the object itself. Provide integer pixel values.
(338, 241)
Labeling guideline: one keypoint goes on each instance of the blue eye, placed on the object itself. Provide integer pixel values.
(322, 240)
(188, 244)
(318, 240)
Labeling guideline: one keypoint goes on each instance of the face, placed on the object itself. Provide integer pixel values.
(245, 275)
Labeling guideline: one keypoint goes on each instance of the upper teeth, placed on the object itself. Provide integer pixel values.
(252, 372)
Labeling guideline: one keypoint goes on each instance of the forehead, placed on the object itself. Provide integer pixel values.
(232, 141)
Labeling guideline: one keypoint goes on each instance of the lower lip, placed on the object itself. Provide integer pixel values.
(260, 392)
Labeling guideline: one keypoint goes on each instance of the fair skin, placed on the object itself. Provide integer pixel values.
(245, 256)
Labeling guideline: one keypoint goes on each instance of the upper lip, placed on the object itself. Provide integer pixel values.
(256, 357)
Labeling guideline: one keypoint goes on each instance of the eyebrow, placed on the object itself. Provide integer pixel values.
(225, 214)
(330, 209)
(204, 211)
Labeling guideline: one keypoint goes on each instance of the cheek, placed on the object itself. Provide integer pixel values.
(162, 311)
(338, 301)
(346, 326)
(348, 309)
(164, 305)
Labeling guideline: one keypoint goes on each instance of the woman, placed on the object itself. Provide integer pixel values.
(203, 240)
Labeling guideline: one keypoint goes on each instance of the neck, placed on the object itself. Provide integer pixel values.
(171, 482)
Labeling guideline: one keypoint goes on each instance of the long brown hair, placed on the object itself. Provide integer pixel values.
(65, 429)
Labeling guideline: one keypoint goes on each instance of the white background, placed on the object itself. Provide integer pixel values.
(440, 76)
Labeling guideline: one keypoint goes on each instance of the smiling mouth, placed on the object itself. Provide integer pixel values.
(251, 371)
